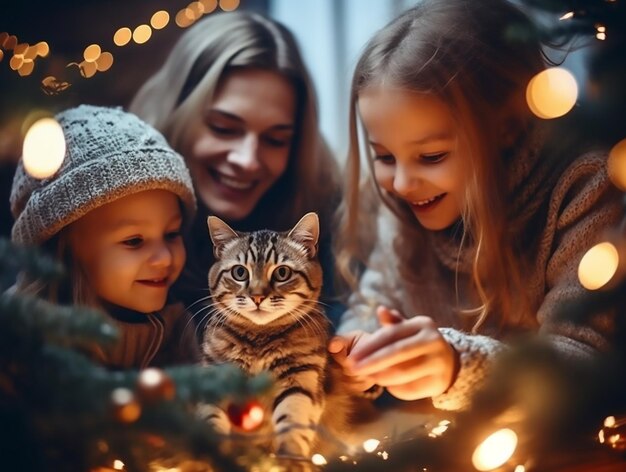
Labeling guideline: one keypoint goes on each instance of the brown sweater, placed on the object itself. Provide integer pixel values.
(568, 213)
(155, 339)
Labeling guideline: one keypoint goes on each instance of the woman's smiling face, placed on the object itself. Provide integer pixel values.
(239, 147)
(417, 156)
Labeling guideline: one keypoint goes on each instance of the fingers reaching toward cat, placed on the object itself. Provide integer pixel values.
(339, 348)
(408, 356)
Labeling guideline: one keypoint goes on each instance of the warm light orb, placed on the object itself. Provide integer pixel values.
(122, 36)
(160, 20)
(552, 93)
(118, 464)
(142, 34)
(43, 49)
(92, 53)
(44, 148)
(370, 445)
(617, 165)
(209, 5)
(598, 266)
(104, 62)
(495, 450)
(1, 55)
(182, 19)
(318, 459)
(229, 5)
(26, 68)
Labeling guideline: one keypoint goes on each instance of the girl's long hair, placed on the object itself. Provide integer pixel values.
(466, 53)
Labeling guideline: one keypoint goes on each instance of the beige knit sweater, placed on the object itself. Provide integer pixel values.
(569, 213)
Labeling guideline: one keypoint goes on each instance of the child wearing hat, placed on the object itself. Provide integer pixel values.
(113, 215)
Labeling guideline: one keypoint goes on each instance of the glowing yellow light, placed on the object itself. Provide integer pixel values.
(88, 69)
(601, 36)
(229, 5)
(519, 468)
(42, 49)
(142, 34)
(122, 36)
(20, 49)
(318, 459)
(552, 93)
(601, 436)
(601, 29)
(10, 42)
(31, 53)
(92, 53)
(1, 55)
(209, 5)
(253, 418)
(441, 428)
(617, 165)
(567, 16)
(197, 9)
(182, 20)
(495, 450)
(44, 148)
(609, 421)
(16, 62)
(118, 465)
(370, 445)
(598, 266)
(160, 20)
(104, 62)
(26, 68)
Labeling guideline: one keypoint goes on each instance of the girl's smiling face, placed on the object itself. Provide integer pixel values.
(417, 154)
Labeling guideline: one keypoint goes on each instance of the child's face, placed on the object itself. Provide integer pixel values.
(239, 146)
(418, 157)
(131, 249)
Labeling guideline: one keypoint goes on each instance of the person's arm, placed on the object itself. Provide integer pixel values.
(584, 205)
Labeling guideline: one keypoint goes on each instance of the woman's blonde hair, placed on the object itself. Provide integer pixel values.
(190, 77)
(465, 53)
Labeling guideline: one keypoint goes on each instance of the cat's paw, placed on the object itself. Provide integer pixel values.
(216, 417)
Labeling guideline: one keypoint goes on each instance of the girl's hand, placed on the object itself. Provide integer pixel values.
(409, 357)
(340, 347)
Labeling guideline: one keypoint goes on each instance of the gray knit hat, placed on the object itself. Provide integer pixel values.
(109, 154)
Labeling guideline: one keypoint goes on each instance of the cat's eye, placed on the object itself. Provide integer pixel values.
(239, 273)
(281, 273)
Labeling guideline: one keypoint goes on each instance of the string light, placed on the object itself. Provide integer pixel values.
(552, 93)
(318, 459)
(567, 16)
(43, 148)
(95, 60)
(495, 450)
(598, 266)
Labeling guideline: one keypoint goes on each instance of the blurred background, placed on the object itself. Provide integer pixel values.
(43, 45)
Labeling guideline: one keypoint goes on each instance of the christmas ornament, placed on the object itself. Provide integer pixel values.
(126, 408)
(247, 417)
(154, 385)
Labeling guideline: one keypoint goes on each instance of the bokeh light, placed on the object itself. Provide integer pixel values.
(209, 5)
(142, 34)
(182, 19)
(598, 266)
(104, 62)
(92, 53)
(44, 148)
(42, 48)
(88, 69)
(617, 165)
(552, 93)
(26, 68)
(229, 5)
(160, 20)
(1, 55)
(495, 450)
(122, 36)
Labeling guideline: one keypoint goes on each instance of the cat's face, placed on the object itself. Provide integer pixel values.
(265, 276)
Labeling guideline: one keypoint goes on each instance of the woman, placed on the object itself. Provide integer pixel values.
(235, 99)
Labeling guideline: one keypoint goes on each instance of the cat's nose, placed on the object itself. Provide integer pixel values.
(258, 299)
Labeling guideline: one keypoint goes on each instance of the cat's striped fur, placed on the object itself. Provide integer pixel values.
(265, 287)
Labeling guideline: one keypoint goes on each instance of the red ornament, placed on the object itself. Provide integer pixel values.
(247, 417)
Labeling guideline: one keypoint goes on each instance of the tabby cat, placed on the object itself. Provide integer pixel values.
(265, 317)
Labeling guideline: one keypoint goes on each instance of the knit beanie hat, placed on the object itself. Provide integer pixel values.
(109, 154)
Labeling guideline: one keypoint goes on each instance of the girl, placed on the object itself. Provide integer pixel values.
(480, 223)
(113, 215)
(235, 99)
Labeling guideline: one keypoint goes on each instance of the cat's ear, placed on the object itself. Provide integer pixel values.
(307, 232)
(220, 234)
